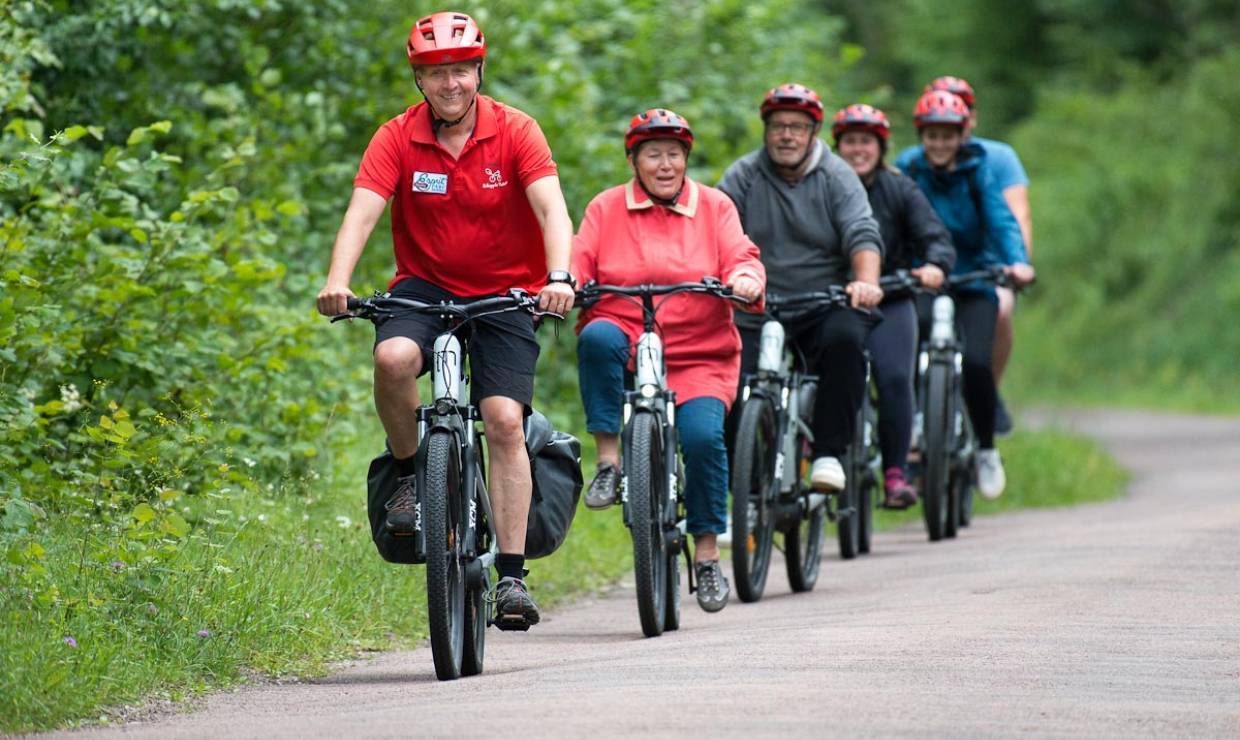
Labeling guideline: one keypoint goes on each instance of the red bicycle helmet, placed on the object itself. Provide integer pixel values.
(954, 85)
(442, 38)
(657, 123)
(940, 106)
(863, 117)
(791, 96)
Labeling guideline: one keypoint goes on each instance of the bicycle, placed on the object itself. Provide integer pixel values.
(771, 460)
(454, 532)
(948, 448)
(651, 483)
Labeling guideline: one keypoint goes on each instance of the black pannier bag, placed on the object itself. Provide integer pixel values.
(555, 466)
(555, 461)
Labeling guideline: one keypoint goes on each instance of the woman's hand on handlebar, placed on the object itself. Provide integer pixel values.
(746, 288)
(333, 299)
(1021, 273)
(556, 298)
(931, 276)
(863, 294)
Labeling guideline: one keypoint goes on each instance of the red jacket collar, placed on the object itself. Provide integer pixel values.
(635, 198)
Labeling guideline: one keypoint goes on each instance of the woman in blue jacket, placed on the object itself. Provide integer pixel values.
(950, 171)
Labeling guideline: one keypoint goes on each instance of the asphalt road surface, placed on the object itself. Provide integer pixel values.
(1119, 619)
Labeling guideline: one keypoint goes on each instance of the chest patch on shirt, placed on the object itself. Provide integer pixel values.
(494, 178)
(430, 182)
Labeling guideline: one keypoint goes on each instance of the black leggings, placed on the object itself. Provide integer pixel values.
(833, 343)
(893, 351)
(976, 314)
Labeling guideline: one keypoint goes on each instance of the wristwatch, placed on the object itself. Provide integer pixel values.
(562, 276)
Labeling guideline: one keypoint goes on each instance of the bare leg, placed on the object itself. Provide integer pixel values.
(397, 363)
(608, 445)
(1004, 334)
(705, 547)
(510, 485)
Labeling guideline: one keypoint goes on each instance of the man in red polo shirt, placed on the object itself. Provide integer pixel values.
(476, 210)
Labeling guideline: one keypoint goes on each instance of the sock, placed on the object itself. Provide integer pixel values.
(510, 565)
(405, 465)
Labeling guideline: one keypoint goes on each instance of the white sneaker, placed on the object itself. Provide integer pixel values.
(827, 475)
(990, 477)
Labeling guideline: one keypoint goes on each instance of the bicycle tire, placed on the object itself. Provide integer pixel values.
(753, 485)
(937, 450)
(865, 476)
(671, 617)
(445, 572)
(966, 473)
(476, 616)
(803, 541)
(646, 498)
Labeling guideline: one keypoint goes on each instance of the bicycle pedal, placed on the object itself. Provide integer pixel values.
(512, 623)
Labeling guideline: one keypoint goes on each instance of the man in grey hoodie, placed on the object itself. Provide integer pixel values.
(808, 212)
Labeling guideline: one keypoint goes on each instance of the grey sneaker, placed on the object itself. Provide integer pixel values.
(514, 607)
(603, 489)
(402, 508)
(712, 587)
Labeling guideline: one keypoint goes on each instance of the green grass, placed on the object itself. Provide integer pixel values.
(281, 585)
(287, 585)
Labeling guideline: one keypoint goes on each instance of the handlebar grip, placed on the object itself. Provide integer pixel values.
(354, 303)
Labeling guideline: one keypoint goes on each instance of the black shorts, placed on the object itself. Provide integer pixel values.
(502, 347)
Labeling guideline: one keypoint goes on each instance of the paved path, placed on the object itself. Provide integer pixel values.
(1118, 619)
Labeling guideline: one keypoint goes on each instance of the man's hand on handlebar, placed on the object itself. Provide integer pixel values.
(556, 298)
(863, 294)
(333, 299)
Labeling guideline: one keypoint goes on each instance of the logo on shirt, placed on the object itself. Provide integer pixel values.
(430, 182)
(495, 178)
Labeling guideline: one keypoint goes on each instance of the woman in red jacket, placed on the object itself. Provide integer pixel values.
(661, 227)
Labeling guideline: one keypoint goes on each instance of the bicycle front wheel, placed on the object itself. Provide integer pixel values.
(647, 495)
(753, 487)
(445, 571)
(803, 541)
(937, 451)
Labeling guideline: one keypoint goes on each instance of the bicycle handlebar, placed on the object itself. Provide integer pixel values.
(592, 291)
(379, 306)
(834, 295)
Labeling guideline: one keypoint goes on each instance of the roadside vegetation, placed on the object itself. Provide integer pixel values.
(183, 440)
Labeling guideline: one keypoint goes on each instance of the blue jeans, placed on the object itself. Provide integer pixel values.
(602, 352)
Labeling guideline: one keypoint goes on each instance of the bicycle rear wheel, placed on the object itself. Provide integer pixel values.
(646, 498)
(803, 541)
(753, 488)
(445, 571)
(937, 450)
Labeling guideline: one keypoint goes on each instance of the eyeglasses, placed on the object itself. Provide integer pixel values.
(798, 128)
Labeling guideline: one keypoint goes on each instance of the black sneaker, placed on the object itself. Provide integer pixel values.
(1003, 421)
(402, 508)
(603, 489)
(514, 607)
(712, 587)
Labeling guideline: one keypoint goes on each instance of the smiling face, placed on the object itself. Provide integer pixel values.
(789, 135)
(660, 164)
(861, 150)
(450, 88)
(941, 142)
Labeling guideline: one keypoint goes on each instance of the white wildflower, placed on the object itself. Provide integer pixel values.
(70, 397)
